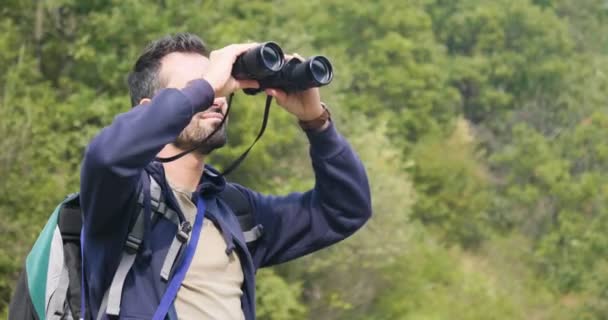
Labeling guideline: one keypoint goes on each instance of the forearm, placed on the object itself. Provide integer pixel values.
(338, 205)
(341, 193)
(135, 137)
(114, 160)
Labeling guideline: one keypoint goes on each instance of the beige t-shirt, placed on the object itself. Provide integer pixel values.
(212, 286)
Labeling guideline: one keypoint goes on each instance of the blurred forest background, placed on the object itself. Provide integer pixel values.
(483, 125)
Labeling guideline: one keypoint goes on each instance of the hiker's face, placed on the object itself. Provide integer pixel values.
(177, 69)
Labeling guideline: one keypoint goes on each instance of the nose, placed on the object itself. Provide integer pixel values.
(221, 102)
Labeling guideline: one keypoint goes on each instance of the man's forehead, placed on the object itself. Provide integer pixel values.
(178, 68)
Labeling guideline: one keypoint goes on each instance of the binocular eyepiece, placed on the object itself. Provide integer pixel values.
(266, 64)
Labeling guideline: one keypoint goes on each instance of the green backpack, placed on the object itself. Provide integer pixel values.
(49, 286)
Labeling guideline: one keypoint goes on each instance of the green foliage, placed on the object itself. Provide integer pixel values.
(277, 300)
(559, 192)
(481, 123)
(596, 304)
(505, 54)
(453, 187)
(342, 281)
(439, 283)
(440, 287)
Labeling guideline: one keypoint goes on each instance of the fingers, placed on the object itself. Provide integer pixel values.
(298, 57)
(247, 84)
(231, 52)
(280, 95)
(221, 63)
(240, 48)
(294, 55)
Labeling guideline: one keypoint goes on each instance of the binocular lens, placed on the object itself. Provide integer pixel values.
(267, 64)
(272, 58)
(321, 70)
(259, 62)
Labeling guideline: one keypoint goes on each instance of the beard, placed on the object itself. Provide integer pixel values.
(197, 136)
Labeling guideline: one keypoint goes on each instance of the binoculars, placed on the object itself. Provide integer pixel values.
(266, 64)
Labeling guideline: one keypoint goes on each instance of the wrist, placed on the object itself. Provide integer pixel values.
(318, 123)
(312, 112)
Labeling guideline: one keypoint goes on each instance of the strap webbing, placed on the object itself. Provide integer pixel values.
(136, 235)
(115, 291)
(181, 238)
(160, 207)
(134, 239)
(126, 262)
(253, 234)
(170, 259)
(56, 308)
(103, 306)
(182, 268)
(158, 204)
(156, 195)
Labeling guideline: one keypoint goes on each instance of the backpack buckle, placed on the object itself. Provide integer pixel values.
(132, 244)
(183, 232)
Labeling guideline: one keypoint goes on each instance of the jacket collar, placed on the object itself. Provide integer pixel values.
(210, 183)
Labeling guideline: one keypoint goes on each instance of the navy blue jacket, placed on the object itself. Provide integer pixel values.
(294, 225)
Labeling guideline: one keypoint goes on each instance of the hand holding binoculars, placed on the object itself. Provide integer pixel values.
(266, 64)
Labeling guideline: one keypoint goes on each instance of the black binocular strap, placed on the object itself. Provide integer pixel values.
(242, 157)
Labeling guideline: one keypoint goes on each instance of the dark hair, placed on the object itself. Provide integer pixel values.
(144, 79)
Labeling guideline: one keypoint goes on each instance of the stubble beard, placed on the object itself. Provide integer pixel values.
(196, 136)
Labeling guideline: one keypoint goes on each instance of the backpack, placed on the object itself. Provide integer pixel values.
(49, 286)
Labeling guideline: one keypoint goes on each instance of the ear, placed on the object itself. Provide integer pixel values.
(144, 101)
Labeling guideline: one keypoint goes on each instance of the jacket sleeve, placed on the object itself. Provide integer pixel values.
(338, 205)
(115, 158)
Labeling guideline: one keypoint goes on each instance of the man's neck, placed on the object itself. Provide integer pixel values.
(185, 172)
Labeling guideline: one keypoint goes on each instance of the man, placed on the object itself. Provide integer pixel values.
(178, 92)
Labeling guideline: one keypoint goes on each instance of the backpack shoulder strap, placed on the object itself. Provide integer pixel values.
(150, 200)
(65, 300)
(43, 260)
(112, 298)
(240, 205)
(70, 218)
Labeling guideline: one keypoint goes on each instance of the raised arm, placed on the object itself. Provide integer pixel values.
(338, 205)
(114, 159)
